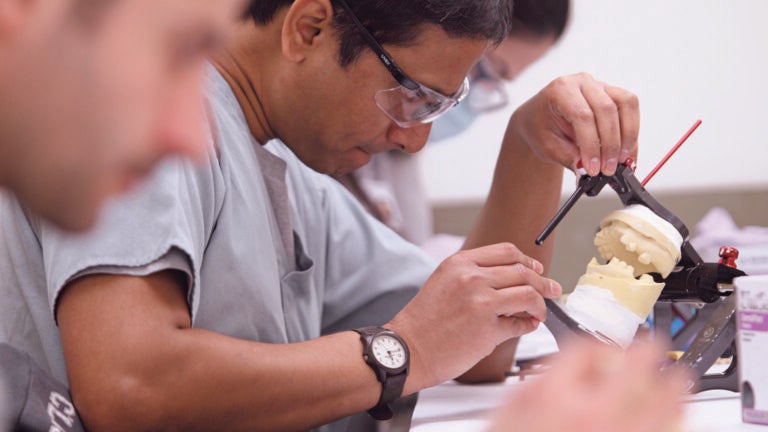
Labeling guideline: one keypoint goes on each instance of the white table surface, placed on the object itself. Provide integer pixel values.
(456, 407)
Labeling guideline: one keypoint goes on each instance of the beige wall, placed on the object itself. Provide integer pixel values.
(574, 235)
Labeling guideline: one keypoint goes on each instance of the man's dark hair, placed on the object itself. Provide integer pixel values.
(399, 22)
(541, 18)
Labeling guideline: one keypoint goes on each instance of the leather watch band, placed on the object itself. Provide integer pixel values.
(391, 390)
(392, 381)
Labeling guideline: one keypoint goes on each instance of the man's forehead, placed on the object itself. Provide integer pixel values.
(438, 60)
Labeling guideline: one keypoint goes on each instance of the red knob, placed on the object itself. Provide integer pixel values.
(728, 255)
(630, 163)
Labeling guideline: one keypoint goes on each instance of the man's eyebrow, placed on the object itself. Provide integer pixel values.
(437, 88)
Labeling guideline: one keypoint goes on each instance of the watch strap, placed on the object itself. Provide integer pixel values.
(391, 383)
(392, 389)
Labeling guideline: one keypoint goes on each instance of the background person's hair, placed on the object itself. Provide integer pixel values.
(399, 22)
(540, 18)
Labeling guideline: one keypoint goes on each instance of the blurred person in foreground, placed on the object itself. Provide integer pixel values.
(93, 94)
(592, 387)
(391, 186)
(242, 293)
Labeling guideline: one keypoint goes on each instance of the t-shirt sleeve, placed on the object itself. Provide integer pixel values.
(164, 224)
(33, 400)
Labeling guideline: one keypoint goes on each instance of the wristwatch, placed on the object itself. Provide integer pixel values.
(387, 354)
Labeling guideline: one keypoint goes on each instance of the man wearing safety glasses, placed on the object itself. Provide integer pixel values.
(410, 103)
(253, 292)
(391, 186)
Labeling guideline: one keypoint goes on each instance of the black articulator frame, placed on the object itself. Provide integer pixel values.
(711, 331)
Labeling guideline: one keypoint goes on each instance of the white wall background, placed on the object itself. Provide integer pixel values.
(685, 59)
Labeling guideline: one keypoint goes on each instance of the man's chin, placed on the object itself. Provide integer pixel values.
(73, 219)
(352, 163)
(339, 168)
(81, 210)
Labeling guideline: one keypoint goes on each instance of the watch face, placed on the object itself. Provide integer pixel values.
(388, 351)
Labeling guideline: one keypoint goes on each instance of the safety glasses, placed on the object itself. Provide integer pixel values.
(409, 104)
(488, 89)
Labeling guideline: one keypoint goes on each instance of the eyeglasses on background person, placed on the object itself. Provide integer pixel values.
(489, 91)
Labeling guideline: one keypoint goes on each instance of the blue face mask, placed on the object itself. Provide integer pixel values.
(453, 122)
(486, 94)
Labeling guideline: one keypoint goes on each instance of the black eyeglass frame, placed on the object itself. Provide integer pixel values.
(383, 55)
(433, 103)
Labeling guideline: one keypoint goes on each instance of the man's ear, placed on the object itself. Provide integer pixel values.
(306, 23)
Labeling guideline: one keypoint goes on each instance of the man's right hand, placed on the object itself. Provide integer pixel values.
(474, 301)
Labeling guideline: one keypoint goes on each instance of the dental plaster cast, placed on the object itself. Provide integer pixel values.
(608, 299)
(615, 298)
(641, 239)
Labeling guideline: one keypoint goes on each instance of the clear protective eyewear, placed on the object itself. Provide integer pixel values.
(488, 89)
(409, 104)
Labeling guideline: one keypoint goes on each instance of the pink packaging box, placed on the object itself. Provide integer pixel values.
(752, 346)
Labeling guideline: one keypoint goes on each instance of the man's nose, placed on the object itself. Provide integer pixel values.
(411, 139)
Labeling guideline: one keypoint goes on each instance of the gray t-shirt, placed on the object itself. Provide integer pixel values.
(30, 399)
(5, 402)
(274, 251)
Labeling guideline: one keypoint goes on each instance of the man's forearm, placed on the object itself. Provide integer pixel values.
(493, 368)
(134, 363)
(524, 195)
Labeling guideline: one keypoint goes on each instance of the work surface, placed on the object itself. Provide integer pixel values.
(463, 408)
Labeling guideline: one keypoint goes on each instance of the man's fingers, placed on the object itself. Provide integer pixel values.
(606, 114)
(512, 276)
(518, 324)
(513, 301)
(602, 121)
(499, 254)
(629, 117)
(573, 108)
